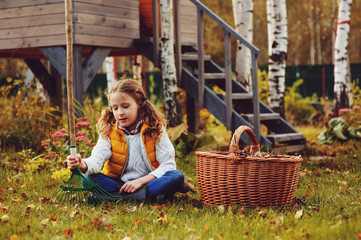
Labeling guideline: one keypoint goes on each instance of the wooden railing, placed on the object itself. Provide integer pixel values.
(228, 32)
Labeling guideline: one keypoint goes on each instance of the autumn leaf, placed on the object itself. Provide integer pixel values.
(358, 235)
(14, 237)
(23, 195)
(159, 207)
(137, 222)
(131, 208)
(206, 228)
(5, 218)
(69, 232)
(299, 214)
(73, 213)
(230, 211)
(52, 218)
(221, 208)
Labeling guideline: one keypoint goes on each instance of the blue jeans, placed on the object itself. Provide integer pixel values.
(168, 184)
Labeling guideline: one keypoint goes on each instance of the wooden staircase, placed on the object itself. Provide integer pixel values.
(283, 137)
(199, 74)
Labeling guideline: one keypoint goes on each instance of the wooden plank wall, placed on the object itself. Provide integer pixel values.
(37, 23)
(188, 22)
(40, 23)
(108, 23)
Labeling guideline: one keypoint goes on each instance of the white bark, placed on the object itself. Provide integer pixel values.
(243, 20)
(172, 108)
(269, 26)
(110, 71)
(137, 68)
(342, 89)
(277, 59)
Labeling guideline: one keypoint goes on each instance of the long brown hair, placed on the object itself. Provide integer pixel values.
(147, 111)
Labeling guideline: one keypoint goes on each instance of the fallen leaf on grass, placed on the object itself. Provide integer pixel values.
(131, 208)
(4, 209)
(299, 214)
(69, 232)
(358, 235)
(5, 218)
(221, 208)
(14, 237)
(73, 213)
(23, 195)
(137, 222)
(206, 228)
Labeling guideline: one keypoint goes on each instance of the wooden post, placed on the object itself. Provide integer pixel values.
(178, 45)
(155, 12)
(228, 69)
(200, 59)
(69, 68)
(323, 83)
(256, 110)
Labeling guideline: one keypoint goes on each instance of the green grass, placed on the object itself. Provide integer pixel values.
(329, 194)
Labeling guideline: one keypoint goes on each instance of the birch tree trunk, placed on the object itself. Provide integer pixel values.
(277, 59)
(243, 20)
(342, 89)
(172, 106)
(110, 71)
(137, 68)
(270, 28)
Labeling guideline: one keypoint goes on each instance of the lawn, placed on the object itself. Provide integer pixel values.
(327, 205)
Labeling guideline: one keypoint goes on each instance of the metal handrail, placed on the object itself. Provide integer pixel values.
(228, 30)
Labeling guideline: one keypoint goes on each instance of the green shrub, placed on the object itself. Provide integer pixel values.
(298, 109)
(26, 118)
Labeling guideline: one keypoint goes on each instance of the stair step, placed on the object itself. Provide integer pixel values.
(238, 96)
(214, 76)
(194, 57)
(188, 48)
(283, 137)
(241, 96)
(262, 117)
(288, 149)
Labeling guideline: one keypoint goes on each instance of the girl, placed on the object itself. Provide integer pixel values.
(134, 156)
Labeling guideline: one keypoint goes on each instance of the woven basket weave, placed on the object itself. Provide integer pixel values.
(236, 177)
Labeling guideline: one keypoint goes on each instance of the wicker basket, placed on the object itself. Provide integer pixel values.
(236, 177)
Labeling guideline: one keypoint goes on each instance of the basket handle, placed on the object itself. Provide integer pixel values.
(233, 146)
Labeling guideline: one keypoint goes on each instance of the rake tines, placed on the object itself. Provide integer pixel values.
(79, 189)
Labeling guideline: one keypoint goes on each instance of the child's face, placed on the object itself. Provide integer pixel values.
(125, 110)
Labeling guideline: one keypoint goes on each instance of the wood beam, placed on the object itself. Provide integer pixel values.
(57, 58)
(92, 64)
(41, 73)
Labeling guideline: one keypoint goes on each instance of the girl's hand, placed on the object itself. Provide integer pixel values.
(131, 186)
(74, 162)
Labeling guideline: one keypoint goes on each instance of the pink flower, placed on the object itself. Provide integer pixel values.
(43, 143)
(82, 124)
(56, 142)
(60, 134)
(85, 118)
(81, 134)
(356, 108)
(343, 110)
(90, 144)
(80, 119)
(81, 138)
(49, 156)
